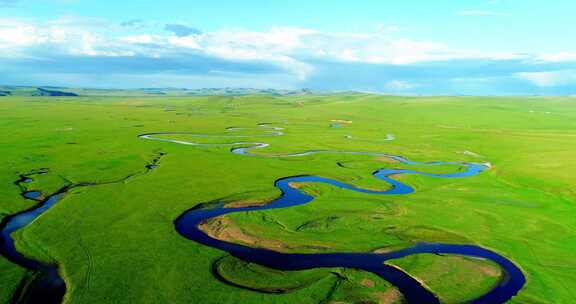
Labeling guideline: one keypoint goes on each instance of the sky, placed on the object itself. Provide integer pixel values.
(440, 47)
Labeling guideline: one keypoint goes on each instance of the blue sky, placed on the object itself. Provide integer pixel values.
(478, 47)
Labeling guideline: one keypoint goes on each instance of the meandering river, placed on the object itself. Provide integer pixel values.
(47, 286)
(188, 223)
(44, 283)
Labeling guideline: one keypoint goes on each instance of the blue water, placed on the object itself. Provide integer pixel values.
(187, 225)
(413, 291)
(47, 286)
(33, 195)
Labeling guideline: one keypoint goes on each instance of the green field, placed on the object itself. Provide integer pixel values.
(116, 243)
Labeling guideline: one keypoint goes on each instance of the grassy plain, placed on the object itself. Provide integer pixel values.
(117, 244)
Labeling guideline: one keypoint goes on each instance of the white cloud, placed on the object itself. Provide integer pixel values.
(69, 35)
(294, 50)
(282, 44)
(17, 36)
(558, 57)
(482, 13)
(138, 39)
(549, 79)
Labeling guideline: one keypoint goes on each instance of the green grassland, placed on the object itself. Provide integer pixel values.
(116, 243)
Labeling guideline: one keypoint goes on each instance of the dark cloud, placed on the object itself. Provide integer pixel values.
(182, 30)
(178, 70)
(467, 77)
(185, 63)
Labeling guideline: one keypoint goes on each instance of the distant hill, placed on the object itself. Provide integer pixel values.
(244, 91)
(144, 92)
(46, 92)
(37, 91)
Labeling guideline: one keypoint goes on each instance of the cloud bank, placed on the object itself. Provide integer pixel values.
(77, 51)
